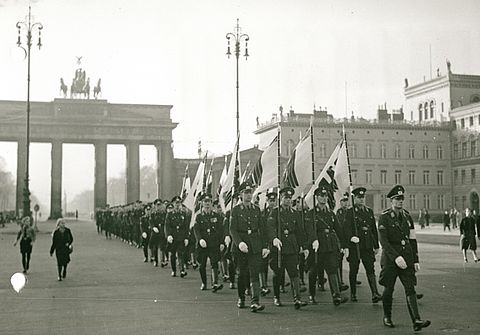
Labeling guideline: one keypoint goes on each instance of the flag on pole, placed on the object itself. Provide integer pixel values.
(196, 188)
(329, 174)
(232, 178)
(245, 173)
(264, 173)
(223, 177)
(298, 172)
(185, 184)
(209, 178)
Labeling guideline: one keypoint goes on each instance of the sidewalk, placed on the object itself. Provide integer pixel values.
(435, 234)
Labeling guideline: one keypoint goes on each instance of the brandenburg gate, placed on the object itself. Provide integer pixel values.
(96, 122)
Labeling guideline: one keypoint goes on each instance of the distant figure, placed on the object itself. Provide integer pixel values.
(26, 235)
(446, 221)
(62, 240)
(427, 217)
(449, 66)
(76, 214)
(453, 218)
(421, 219)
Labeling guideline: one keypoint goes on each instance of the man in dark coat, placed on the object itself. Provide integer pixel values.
(249, 246)
(399, 257)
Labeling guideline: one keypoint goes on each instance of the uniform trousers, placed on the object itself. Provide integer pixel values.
(248, 269)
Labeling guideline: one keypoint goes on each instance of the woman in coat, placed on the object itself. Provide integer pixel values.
(26, 235)
(62, 240)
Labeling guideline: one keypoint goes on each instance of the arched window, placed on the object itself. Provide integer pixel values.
(425, 151)
(353, 150)
(383, 150)
(425, 110)
(397, 151)
(432, 109)
(420, 112)
(290, 147)
(411, 151)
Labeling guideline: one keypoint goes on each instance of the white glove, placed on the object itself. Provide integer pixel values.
(277, 243)
(155, 229)
(185, 241)
(355, 239)
(144, 235)
(306, 252)
(417, 267)
(203, 243)
(170, 239)
(265, 253)
(227, 240)
(345, 252)
(222, 247)
(243, 247)
(401, 262)
(315, 245)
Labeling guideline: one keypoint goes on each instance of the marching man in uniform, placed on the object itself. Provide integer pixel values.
(287, 235)
(361, 232)
(208, 230)
(326, 240)
(249, 245)
(399, 258)
(176, 229)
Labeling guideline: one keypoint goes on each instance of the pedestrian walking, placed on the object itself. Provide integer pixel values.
(446, 221)
(62, 240)
(399, 257)
(26, 236)
(468, 236)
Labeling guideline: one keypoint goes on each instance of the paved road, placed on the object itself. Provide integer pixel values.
(109, 290)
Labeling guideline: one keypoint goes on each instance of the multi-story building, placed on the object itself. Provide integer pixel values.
(458, 96)
(382, 153)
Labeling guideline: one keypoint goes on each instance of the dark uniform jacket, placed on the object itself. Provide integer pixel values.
(209, 227)
(290, 230)
(246, 226)
(177, 225)
(326, 230)
(361, 223)
(396, 238)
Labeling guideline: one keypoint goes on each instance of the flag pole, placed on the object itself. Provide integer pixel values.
(313, 183)
(278, 195)
(351, 187)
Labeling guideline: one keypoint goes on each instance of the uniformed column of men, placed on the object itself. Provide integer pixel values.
(288, 238)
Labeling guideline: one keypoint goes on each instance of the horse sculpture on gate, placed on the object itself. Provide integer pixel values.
(80, 88)
(63, 88)
(97, 90)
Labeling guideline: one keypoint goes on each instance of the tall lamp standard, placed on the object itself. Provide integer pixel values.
(29, 27)
(237, 37)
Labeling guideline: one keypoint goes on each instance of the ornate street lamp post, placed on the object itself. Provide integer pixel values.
(29, 27)
(237, 36)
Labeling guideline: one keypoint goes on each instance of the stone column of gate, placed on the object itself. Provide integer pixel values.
(100, 187)
(168, 175)
(56, 181)
(21, 164)
(133, 172)
(160, 194)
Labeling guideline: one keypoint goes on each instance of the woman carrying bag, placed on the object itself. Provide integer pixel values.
(26, 235)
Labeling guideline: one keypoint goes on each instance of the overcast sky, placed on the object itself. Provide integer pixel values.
(173, 52)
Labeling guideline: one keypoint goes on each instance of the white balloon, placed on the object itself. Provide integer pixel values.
(18, 281)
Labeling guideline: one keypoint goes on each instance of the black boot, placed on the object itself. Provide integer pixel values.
(376, 297)
(215, 286)
(418, 323)
(334, 284)
(353, 288)
(387, 311)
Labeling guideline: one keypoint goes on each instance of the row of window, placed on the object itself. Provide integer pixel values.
(411, 200)
(466, 153)
(397, 177)
(461, 123)
(463, 177)
(427, 109)
(353, 152)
